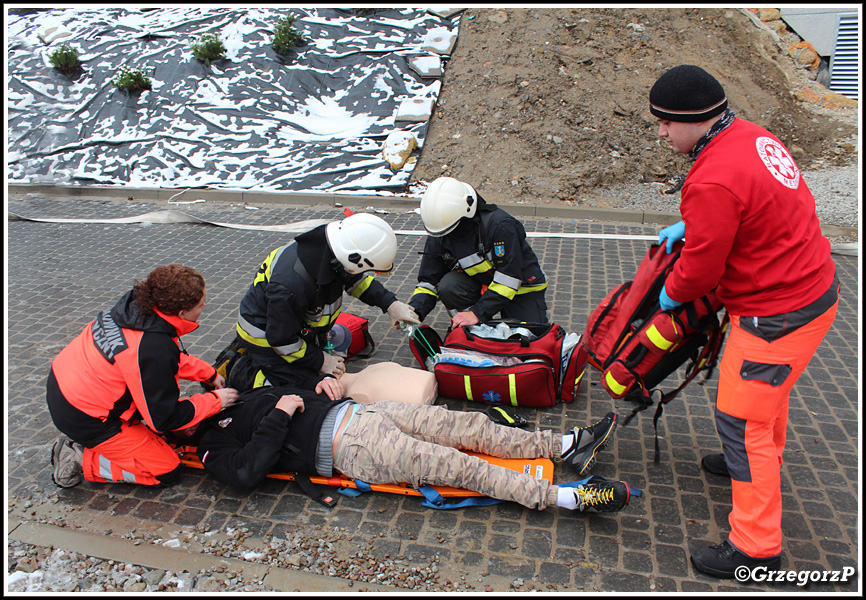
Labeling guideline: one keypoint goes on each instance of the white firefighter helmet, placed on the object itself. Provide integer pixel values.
(363, 242)
(445, 202)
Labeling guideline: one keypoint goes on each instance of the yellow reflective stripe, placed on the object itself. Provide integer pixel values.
(264, 273)
(423, 290)
(512, 388)
(325, 320)
(579, 378)
(261, 343)
(260, 380)
(503, 290)
(481, 267)
(295, 355)
(525, 289)
(362, 286)
(613, 384)
(657, 338)
(467, 385)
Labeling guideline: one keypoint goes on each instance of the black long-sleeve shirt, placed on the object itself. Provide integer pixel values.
(252, 438)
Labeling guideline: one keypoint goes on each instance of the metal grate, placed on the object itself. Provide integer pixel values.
(845, 64)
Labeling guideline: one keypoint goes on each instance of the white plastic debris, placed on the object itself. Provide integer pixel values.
(426, 66)
(444, 12)
(416, 110)
(52, 33)
(440, 40)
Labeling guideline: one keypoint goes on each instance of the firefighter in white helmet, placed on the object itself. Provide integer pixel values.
(297, 294)
(476, 260)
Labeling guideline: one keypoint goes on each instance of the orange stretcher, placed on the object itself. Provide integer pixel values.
(540, 468)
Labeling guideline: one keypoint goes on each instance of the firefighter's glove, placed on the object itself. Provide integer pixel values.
(333, 365)
(666, 302)
(672, 233)
(400, 312)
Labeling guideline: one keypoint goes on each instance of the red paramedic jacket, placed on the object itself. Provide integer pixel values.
(751, 228)
(127, 365)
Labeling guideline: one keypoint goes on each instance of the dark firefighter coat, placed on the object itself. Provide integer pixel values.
(492, 249)
(299, 289)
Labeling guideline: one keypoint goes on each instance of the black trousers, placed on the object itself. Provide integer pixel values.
(459, 292)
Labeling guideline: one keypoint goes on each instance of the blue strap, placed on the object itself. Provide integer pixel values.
(360, 488)
(433, 499)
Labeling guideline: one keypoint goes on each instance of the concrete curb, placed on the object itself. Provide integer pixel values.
(169, 559)
(396, 202)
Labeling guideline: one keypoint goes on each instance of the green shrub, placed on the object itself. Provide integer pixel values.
(65, 60)
(286, 36)
(130, 80)
(209, 48)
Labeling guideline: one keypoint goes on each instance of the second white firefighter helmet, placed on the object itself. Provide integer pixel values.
(446, 201)
(363, 242)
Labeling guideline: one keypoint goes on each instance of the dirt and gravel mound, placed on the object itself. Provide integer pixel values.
(549, 105)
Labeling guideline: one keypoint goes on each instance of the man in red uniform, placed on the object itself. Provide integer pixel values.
(115, 388)
(751, 233)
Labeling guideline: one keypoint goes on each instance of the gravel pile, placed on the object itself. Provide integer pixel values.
(39, 569)
(836, 194)
(318, 550)
(835, 190)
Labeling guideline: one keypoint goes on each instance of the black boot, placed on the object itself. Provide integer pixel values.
(722, 561)
(716, 464)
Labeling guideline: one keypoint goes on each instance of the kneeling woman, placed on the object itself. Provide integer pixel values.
(115, 388)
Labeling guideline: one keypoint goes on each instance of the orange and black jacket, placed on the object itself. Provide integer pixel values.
(126, 365)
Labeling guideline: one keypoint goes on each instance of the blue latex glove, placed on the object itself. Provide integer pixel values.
(666, 302)
(672, 233)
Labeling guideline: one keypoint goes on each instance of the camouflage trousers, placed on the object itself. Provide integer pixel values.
(399, 442)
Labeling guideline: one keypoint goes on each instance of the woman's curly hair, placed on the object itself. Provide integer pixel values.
(170, 288)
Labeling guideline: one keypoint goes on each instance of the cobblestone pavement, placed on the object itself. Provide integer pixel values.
(61, 275)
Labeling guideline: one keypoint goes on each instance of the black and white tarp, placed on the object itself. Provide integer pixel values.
(313, 120)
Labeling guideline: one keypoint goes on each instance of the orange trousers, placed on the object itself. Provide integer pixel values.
(135, 455)
(755, 382)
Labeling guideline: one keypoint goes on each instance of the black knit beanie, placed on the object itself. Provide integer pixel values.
(688, 94)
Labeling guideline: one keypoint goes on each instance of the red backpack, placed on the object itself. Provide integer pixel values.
(637, 345)
(359, 328)
(544, 373)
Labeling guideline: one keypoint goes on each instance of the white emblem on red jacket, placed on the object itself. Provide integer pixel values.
(779, 162)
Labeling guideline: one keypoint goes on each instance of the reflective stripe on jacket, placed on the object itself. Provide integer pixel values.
(493, 250)
(297, 288)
